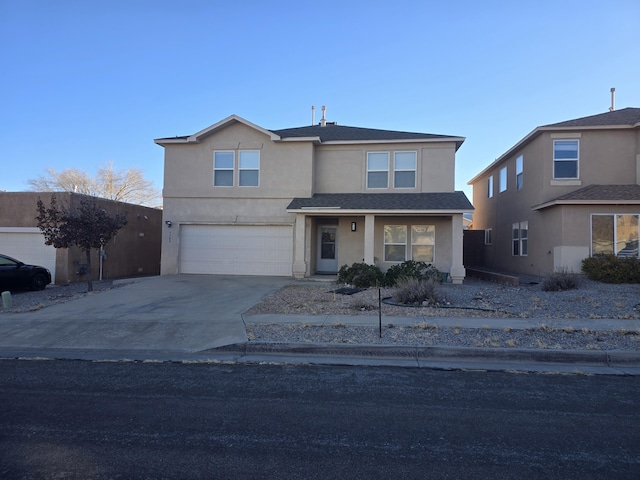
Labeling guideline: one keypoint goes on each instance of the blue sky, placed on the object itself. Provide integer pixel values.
(84, 83)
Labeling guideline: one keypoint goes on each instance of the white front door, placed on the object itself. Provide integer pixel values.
(327, 250)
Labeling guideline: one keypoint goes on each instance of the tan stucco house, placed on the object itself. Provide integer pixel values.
(133, 252)
(241, 199)
(564, 192)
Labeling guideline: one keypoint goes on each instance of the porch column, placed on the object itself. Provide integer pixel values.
(457, 272)
(369, 222)
(299, 246)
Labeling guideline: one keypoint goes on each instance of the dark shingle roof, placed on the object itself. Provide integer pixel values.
(332, 132)
(597, 194)
(385, 201)
(604, 193)
(625, 116)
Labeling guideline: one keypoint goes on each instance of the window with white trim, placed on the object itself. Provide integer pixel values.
(519, 172)
(223, 166)
(249, 168)
(488, 236)
(395, 243)
(503, 179)
(423, 242)
(565, 158)
(404, 169)
(378, 170)
(520, 239)
(490, 187)
(615, 235)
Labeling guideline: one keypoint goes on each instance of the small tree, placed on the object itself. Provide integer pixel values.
(87, 226)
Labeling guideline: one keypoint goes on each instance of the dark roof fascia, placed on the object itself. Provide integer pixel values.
(555, 203)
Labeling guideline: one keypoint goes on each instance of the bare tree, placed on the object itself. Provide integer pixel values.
(121, 185)
(87, 226)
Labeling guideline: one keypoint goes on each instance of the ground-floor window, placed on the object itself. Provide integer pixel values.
(615, 235)
(423, 241)
(520, 239)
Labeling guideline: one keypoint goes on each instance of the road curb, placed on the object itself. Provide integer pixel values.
(437, 354)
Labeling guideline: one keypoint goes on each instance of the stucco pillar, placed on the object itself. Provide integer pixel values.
(299, 246)
(457, 272)
(369, 234)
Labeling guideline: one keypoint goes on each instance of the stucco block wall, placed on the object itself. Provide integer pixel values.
(135, 251)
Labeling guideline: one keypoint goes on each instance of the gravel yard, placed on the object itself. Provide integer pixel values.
(478, 299)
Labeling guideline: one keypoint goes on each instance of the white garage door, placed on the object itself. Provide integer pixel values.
(27, 245)
(236, 249)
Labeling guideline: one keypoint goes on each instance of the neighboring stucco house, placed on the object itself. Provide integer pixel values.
(133, 252)
(241, 199)
(564, 192)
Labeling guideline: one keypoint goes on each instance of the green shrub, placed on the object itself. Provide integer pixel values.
(414, 291)
(360, 275)
(411, 269)
(612, 269)
(559, 282)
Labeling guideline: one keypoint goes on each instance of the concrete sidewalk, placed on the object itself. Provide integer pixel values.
(199, 318)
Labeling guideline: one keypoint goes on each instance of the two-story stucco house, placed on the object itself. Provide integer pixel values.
(241, 199)
(564, 192)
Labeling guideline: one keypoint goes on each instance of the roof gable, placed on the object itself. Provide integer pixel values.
(230, 120)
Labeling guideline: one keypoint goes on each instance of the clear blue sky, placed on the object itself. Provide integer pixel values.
(85, 82)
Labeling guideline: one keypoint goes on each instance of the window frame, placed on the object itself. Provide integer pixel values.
(615, 226)
(430, 244)
(557, 161)
(252, 169)
(414, 169)
(224, 169)
(369, 170)
(488, 236)
(503, 180)
(520, 243)
(519, 172)
(385, 243)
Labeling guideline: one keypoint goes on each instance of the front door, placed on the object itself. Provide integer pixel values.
(327, 250)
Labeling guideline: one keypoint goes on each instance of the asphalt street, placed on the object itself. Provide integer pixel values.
(99, 420)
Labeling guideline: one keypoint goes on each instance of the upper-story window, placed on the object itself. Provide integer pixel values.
(519, 172)
(223, 166)
(248, 168)
(565, 158)
(490, 187)
(378, 170)
(404, 169)
(503, 179)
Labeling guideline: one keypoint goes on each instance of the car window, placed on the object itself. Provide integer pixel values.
(6, 262)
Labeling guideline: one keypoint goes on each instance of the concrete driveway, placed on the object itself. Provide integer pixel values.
(185, 313)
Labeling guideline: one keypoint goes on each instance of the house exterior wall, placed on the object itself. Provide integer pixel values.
(134, 251)
(288, 169)
(342, 168)
(559, 236)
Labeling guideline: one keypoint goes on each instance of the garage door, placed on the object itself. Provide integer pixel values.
(27, 245)
(236, 249)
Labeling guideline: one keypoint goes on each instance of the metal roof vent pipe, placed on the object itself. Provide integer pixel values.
(323, 120)
(313, 115)
(613, 100)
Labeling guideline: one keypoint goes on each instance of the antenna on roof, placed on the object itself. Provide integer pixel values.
(613, 100)
(313, 114)
(323, 120)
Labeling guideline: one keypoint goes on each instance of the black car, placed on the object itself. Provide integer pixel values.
(14, 274)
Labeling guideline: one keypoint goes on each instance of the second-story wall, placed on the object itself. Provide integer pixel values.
(343, 168)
